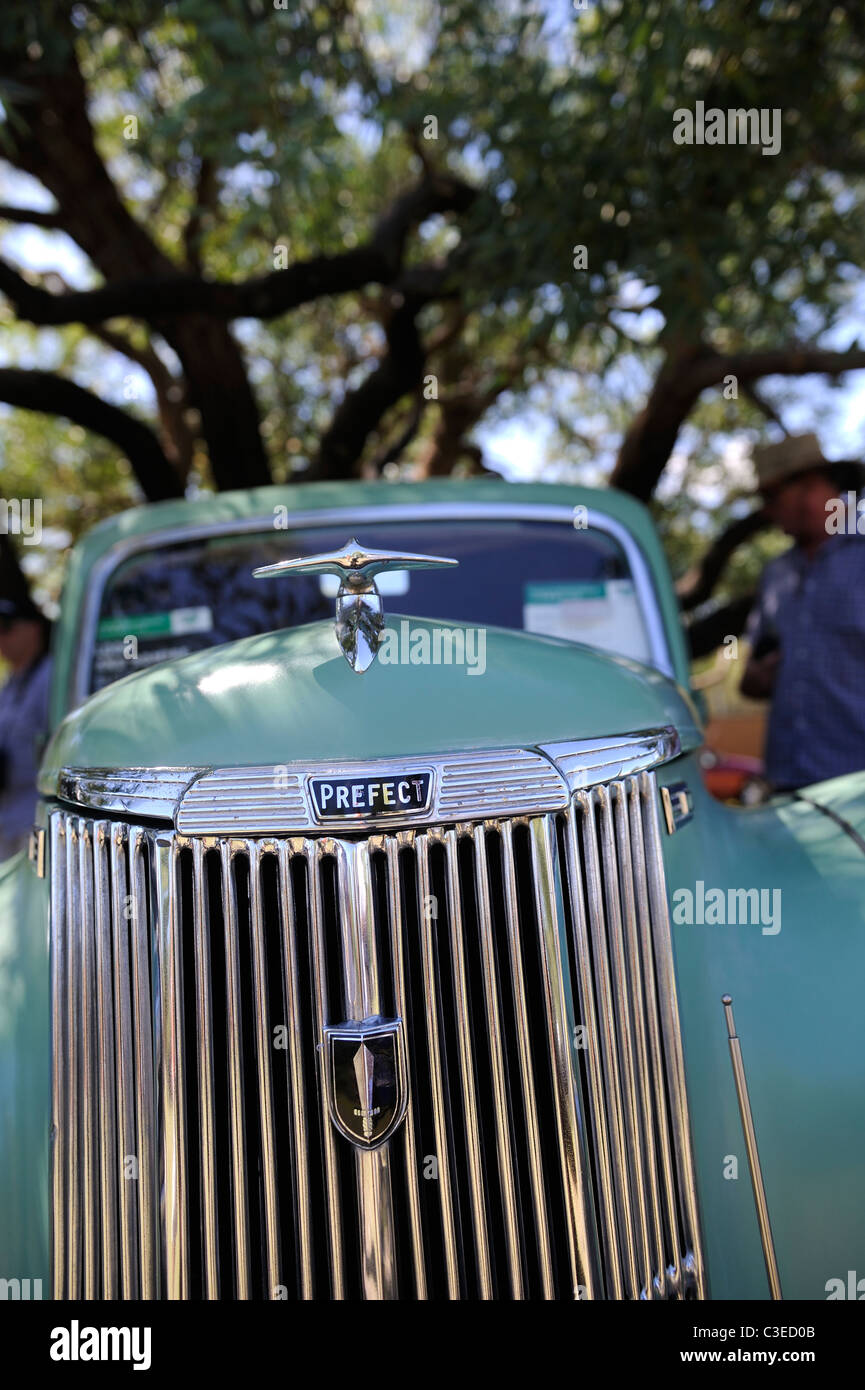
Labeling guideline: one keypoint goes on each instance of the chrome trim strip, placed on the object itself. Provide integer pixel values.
(171, 1051)
(133, 791)
(275, 799)
(620, 1234)
(588, 762)
(60, 1084)
(401, 1003)
(361, 1000)
(106, 1060)
(125, 1092)
(756, 1170)
(263, 1043)
(467, 1076)
(312, 853)
(503, 1117)
(591, 1036)
(527, 1082)
(570, 1134)
(73, 1034)
(672, 1273)
(206, 1104)
(635, 910)
(87, 1040)
(295, 1077)
(101, 571)
(615, 852)
(431, 994)
(150, 1081)
(236, 1099)
(693, 1274)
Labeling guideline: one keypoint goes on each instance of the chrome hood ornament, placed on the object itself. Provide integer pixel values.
(359, 611)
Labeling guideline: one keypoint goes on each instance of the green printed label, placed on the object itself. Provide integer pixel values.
(564, 592)
(174, 624)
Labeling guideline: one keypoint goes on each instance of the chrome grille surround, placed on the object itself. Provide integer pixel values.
(545, 1150)
(274, 799)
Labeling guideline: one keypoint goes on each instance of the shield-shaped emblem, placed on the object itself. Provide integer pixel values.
(366, 1078)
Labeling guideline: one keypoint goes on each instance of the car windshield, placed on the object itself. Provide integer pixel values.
(534, 576)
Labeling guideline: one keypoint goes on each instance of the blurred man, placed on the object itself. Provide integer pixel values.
(807, 629)
(24, 634)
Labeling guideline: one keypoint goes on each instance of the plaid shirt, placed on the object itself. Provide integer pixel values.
(23, 725)
(816, 609)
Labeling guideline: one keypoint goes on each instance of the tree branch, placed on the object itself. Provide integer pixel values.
(178, 439)
(392, 451)
(160, 296)
(398, 373)
(763, 405)
(694, 588)
(705, 634)
(205, 199)
(31, 217)
(650, 439)
(54, 395)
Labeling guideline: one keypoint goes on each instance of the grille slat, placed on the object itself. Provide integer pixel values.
(634, 910)
(465, 1052)
(688, 1279)
(125, 1064)
(545, 1149)
(236, 1088)
(431, 995)
(148, 993)
(560, 1026)
(503, 1117)
(72, 1069)
(106, 1056)
(526, 1069)
(298, 1130)
(265, 1075)
(401, 1008)
(60, 1159)
(206, 1102)
(584, 930)
(87, 1037)
(316, 930)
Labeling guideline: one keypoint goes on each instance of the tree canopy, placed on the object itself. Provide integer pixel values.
(324, 239)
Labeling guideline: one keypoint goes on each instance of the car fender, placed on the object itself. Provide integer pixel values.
(796, 985)
(25, 1079)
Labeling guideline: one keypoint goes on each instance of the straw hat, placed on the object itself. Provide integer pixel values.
(801, 453)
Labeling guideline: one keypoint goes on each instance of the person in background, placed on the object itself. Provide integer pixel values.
(24, 638)
(807, 628)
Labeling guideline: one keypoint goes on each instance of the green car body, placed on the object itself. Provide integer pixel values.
(289, 696)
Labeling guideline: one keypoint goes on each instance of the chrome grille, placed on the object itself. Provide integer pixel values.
(545, 1151)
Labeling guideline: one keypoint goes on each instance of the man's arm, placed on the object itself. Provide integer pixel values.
(758, 682)
(761, 670)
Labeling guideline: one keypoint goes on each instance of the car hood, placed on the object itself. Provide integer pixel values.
(291, 696)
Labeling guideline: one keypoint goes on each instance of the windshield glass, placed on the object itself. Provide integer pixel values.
(534, 576)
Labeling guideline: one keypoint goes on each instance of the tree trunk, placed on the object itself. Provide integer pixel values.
(219, 389)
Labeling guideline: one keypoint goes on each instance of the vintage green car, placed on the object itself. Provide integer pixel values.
(360, 955)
